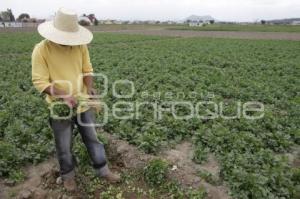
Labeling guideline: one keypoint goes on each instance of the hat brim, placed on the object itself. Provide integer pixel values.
(80, 37)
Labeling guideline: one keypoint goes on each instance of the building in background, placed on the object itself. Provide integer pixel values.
(12, 24)
(195, 20)
(296, 22)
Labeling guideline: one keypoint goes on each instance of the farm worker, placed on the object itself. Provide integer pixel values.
(58, 63)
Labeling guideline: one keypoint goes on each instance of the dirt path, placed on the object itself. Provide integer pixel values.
(41, 181)
(31, 186)
(162, 31)
(187, 171)
(215, 34)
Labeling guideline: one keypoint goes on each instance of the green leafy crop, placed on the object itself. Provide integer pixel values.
(155, 173)
(251, 153)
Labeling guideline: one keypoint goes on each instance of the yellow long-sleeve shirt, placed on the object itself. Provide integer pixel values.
(63, 66)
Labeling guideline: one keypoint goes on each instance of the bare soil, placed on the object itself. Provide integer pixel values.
(216, 34)
(42, 180)
(32, 185)
(187, 171)
(162, 31)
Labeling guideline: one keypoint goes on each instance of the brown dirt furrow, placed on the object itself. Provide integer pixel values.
(161, 31)
(41, 181)
(186, 172)
(217, 34)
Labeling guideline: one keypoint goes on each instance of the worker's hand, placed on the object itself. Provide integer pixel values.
(70, 101)
(91, 92)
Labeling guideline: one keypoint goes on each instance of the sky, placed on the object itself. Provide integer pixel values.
(224, 10)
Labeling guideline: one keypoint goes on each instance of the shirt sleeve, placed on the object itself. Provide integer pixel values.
(40, 72)
(87, 65)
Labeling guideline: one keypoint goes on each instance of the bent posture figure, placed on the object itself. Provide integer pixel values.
(61, 68)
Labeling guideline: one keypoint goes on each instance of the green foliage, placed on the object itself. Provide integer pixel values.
(151, 140)
(62, 110)
(7, 16)
(175, 190)
(251, 170)
(208, 177)
(16, 176)
(234, 70)
(200, 154)
(296, 175)
(155, 173)
(80, 151)
(8, 158)
(197, 194)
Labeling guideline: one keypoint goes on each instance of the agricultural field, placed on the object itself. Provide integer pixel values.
(240, 28)
(212, 27)
(258, 158)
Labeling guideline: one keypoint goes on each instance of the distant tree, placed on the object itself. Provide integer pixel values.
(7, 15)
(263, 22)
(23, 17)
(157, 22)
(11, 15)
(211, 21)
(33, 20)
(96, 22)
(91, 17)
(84, 23)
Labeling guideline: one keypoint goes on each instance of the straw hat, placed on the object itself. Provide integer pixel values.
(64, 29)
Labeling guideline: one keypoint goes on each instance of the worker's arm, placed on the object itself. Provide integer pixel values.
(39, 73)
(87, 71)
(88, 82)
(41, 78)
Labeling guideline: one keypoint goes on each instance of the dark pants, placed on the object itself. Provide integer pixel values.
(63, 131)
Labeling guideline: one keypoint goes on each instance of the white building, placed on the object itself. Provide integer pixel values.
(150, 22)
(296, 23)
(117, 22)
(11, 24)
(106, 21)
(195, 20)
(196, 23)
